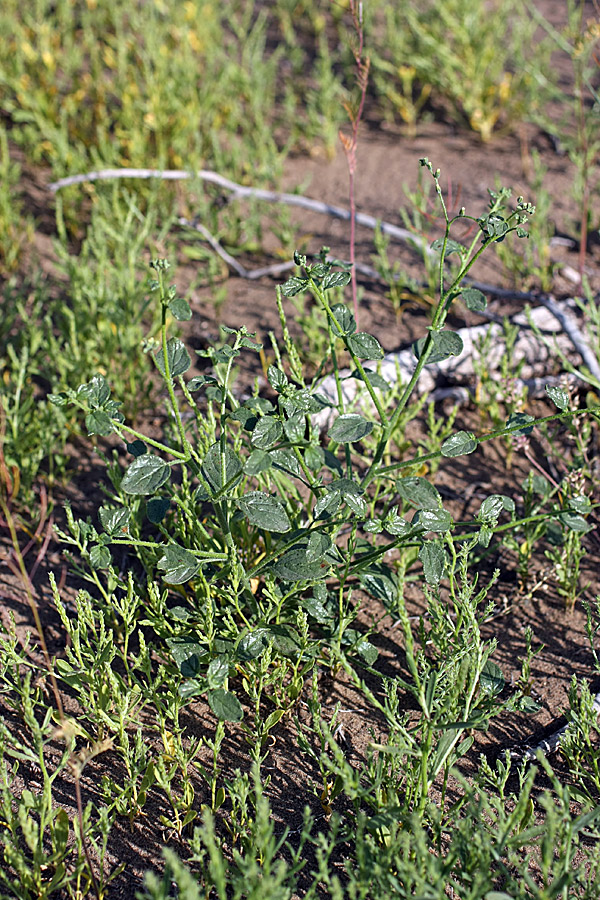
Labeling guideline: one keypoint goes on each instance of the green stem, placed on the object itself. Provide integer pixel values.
(167, 374)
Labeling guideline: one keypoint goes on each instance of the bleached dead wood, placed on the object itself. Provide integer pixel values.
(240, 190)
(536, 350)
(454, 374)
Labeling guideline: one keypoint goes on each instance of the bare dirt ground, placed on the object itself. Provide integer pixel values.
(386, 160)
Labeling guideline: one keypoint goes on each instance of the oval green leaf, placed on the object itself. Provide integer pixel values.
(438, 520)
(267, 432)
(558, 395)
(178, 564)
(180, 309)
(491, 680)
(336, 279)
(145, 475)
(445, 345)
(99, 422)
(344, 322)
(177, 356)
(365, 346)
(474, 299)
(211, 467)
(225, 705)
(433, 557)
(459, 444)
(350, 427)
(258, 461)
(265, 512)
(418, 491)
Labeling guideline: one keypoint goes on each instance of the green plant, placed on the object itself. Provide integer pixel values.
(39, 858)
(236, 530)
(252, 534)
(529, 262)
(577, 128)
(420, 217)
(469, 57)
(16, 228)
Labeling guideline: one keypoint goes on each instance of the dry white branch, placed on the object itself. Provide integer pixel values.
(240, 190)
(535, 353)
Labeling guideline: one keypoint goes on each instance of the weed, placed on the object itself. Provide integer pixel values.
(469, 57)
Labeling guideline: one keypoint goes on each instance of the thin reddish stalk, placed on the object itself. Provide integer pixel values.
(350, 144)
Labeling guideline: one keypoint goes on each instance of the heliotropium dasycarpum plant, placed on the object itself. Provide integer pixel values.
(260, 527)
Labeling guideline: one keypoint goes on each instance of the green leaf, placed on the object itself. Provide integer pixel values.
(335, 279)
(520, 418)
(218, 671)
(367, 651)
(265, 512)
(459, 444)
(498, 895)
(258, 461)
(285, 640)
(365, 346)
(294, 286)
(198, 381)
(357, 504)
(285, 459)
(100, 557)
(156, 509)
(177, 356)
(493, 505)
(374, 379)
(395, 524)
(295, 427)
(437, 520)
(277, 378)
(114, 521)
(574, 522)
(211, 467)
(225, 705)
(60, 399)
(558, 395)
(249, 344)
(451, 247)
(474, 299)
(327, 505)
(180, 309)
(60, 832)
(381, 583)
(137, 448)
(314, 457)
(317, 546)
(145, 475)
(315, 608)
(344, 322)
(350, 427)
(186, 654)
(267, 432)
(433, 557)
(273, 718)
(445, 345)
(294, 565)
(96, 391)
(191, 688)
(253, 645)
(580, 504)
(491, 680)
(99, 422)
(419, 492)
(178, 564)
